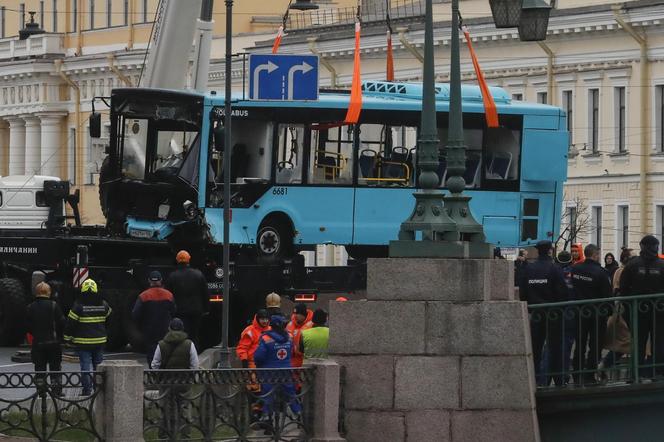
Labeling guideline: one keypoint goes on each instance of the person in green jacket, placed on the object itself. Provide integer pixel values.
(314, 340)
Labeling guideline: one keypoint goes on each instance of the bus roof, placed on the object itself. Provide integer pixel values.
(402, 96)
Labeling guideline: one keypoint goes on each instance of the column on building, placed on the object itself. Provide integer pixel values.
(51, 138)
(32, 144)
(16, 145)
(4, 148)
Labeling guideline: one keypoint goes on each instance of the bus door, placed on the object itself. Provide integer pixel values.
(328, 196)
(536, 217)
(386, 156)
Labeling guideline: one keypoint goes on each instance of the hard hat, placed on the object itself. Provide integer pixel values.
(43, 290)
(183, 257)
(273, 301)
(89, 286)
(341, 299)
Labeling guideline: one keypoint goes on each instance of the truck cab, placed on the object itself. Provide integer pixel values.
(23, 202)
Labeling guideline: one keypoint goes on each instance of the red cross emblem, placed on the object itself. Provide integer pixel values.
(281, 354)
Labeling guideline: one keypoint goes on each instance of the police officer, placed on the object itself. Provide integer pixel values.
(590, 281)
(644, 275)
(543, 282)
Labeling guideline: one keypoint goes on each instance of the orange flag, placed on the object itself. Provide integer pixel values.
(390, 57)
(277, 40)
(355, 105)
(489, 105)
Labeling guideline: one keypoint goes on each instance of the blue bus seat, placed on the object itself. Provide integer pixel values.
(329, 165)
(400, 157)
(472, 173)
(367, 161)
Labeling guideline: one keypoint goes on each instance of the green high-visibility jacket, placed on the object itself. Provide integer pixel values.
(315, 342)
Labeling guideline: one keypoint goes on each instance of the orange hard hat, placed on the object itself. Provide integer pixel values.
(341, 299)
(183, 257)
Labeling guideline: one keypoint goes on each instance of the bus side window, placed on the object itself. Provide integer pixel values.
(502, 154)
(290, 145)
(331, 159)
(473, 140)
(387, 155)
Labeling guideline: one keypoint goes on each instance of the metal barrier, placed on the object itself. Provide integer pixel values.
(228, 404)
(598, 341)
(371, 13)
(48, 406)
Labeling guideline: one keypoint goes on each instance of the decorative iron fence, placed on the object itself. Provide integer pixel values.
(228, 404)
(373, 12)
(598, 341)
(48, 406)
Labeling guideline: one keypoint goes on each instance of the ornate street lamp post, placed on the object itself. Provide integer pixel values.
(443, 226)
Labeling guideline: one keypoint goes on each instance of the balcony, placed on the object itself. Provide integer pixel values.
(36, 46)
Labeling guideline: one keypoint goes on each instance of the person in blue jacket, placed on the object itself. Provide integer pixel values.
(275, 349)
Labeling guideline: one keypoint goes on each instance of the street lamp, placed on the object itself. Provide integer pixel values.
(534, 20)
(303, 5)
(444, 223)
(506, 13)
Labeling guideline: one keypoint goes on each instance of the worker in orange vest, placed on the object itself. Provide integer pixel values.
(250, 338)
(300, 320)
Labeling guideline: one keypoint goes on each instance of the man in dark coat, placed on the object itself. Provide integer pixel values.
(46, 324)
(189, 288)
(644, 275)
(590, 281)
(543, 282)
(153, 311)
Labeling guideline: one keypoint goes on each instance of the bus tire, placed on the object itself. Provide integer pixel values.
(274, 240)
(13, 308)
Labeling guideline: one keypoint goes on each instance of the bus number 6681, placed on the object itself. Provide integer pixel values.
(280, 191)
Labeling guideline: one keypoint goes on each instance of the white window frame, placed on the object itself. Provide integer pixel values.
(620, 225)
(539, 95)
(570, 114)
(21, 16)
(41, 14)
(659, 117)
(658, 208)
(597, 227)
(91, 14)
(616, 118)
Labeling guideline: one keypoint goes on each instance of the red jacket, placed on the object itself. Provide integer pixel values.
(295, 331)
(249, 342)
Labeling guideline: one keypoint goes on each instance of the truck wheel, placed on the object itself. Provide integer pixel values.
(13, 307)
(274, 240)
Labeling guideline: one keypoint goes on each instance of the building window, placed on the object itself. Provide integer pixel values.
(109, 13)
(517, 97)
(126, 12)
(597, 226)
(145, 11)
(542, 97)
(3, 31)
(619, 112)
(593, 120)
(568, 106)
(622, 227)
(571, 220)
(74, 11)
(21, 16)
(55, 15)
(41, 14)
(71, 157)
(92, 14)
(659, 223)
(659, 114)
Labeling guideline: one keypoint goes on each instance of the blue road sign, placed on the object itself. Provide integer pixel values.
(283, 77)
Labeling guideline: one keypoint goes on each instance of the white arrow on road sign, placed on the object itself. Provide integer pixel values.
(269, 67)
(304, 68)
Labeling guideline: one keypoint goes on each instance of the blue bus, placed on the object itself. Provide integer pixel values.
(300, 178)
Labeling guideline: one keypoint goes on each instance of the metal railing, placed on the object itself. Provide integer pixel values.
(374, 12)
(48, 406)
(598, 341)
(228, 404)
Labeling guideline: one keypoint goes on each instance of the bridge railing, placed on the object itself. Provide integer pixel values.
(598, 341)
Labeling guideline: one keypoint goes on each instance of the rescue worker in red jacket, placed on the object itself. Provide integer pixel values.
(250, 337)
(300, 320)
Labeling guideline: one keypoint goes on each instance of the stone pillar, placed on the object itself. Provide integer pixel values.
(51, 138)
(32, 145)
(439, 351)
(16, 146)
(326, 401)
(122, 401)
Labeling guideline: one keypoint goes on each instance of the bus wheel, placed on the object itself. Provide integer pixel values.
(13, 307)
(274, 240)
